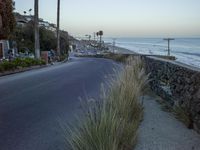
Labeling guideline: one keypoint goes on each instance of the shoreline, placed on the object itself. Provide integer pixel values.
(120, 50)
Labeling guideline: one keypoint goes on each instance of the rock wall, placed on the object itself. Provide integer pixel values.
(176, 83)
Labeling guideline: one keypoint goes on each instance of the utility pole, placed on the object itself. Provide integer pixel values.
(89, 37)
(36, 28)
(58, 28)
(114, 45)
(94, 36)
(168, 40)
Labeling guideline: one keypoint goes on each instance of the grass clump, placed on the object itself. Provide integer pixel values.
(111, 123)
(183, 115)
(165, 106)
(117, 57)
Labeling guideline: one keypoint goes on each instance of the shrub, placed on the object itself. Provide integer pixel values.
(17, 61)
(63, 57)
(117, 57)
(183, 115)
(1, 68)
(6, 65)
(20, 62)
(111, 123)
(41, 62)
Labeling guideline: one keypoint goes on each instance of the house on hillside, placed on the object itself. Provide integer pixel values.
(47, 25)
(52, 27)
(21, 20)
(43, 23)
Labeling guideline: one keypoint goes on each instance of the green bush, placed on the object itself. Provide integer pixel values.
(20, 62)
(5, 65)
(111, 123)
(41, 62)
(183, 115)
(1, 68)
(63, 57)
(17, 61)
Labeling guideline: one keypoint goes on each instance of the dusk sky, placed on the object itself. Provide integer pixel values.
(122, 18)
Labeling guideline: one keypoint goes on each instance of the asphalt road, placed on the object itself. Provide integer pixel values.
(34, 103)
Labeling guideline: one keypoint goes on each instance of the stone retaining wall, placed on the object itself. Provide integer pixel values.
(178, 84)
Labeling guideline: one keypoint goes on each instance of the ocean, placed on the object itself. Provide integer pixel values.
(186, 50)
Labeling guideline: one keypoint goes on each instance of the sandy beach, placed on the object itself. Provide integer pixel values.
(119, 50)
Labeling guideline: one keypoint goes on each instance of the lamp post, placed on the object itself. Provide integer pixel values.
(114, 45)
(94, 36)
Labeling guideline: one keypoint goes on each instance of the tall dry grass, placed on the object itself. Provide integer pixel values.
(111, 123)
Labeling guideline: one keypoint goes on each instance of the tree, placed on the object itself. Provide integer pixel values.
(7, 19)
(58, 28)
(24, 37)
(64, 42)
(100, 34)
(36, 27)
(47, 39)
(97, 34)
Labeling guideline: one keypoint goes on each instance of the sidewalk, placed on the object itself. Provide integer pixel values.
(161, 131)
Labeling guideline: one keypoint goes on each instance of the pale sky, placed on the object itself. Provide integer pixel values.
(122, 18)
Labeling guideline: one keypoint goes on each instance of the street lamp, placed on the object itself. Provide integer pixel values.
(30, 11)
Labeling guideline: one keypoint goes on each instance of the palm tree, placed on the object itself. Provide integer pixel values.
(36, 26)
(58, 28)
(97, 34)
(100, 34)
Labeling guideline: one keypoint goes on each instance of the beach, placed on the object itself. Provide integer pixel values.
(119, 50)
(186, 50)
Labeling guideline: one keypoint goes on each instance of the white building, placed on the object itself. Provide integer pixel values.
(4, 48)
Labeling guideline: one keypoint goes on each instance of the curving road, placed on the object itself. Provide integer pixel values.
(33, 103)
